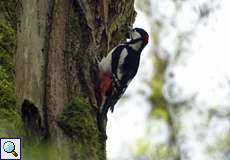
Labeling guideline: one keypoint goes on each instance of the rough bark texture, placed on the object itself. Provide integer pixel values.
(56, 71)
(30, 56)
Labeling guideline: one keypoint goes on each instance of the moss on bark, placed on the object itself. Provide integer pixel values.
(9, 116)
(10, 123)
(78, 121)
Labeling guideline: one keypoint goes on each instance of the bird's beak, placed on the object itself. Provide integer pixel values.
(130, 28)
(128, 34)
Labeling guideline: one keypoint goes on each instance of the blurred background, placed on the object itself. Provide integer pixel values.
(178, 105)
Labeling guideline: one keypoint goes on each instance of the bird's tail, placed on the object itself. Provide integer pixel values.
(102, 119)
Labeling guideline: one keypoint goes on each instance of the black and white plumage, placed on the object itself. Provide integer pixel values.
(117, 69)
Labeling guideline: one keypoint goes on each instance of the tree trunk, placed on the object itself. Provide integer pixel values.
(56, 70)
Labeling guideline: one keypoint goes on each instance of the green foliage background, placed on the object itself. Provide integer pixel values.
(9, 115)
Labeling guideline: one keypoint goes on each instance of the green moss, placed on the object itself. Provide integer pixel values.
(8, 10)
(7, 96)
(9, 117)
(35, 151)
(7, 37)
(7, 46)
(10, 123)
(78, 120)
(7, 49)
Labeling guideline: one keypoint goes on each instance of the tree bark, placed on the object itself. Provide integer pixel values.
(56, 69)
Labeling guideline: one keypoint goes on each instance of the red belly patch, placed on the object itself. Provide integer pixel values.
(105, 83)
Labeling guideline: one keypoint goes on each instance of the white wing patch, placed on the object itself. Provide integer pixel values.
(123, 55)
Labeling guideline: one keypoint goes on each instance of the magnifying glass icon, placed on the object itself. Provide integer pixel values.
(9, 147)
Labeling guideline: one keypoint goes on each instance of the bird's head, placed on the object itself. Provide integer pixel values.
(138, 34)
(137, 38)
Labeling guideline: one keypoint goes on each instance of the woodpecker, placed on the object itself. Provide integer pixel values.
(117, 70)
